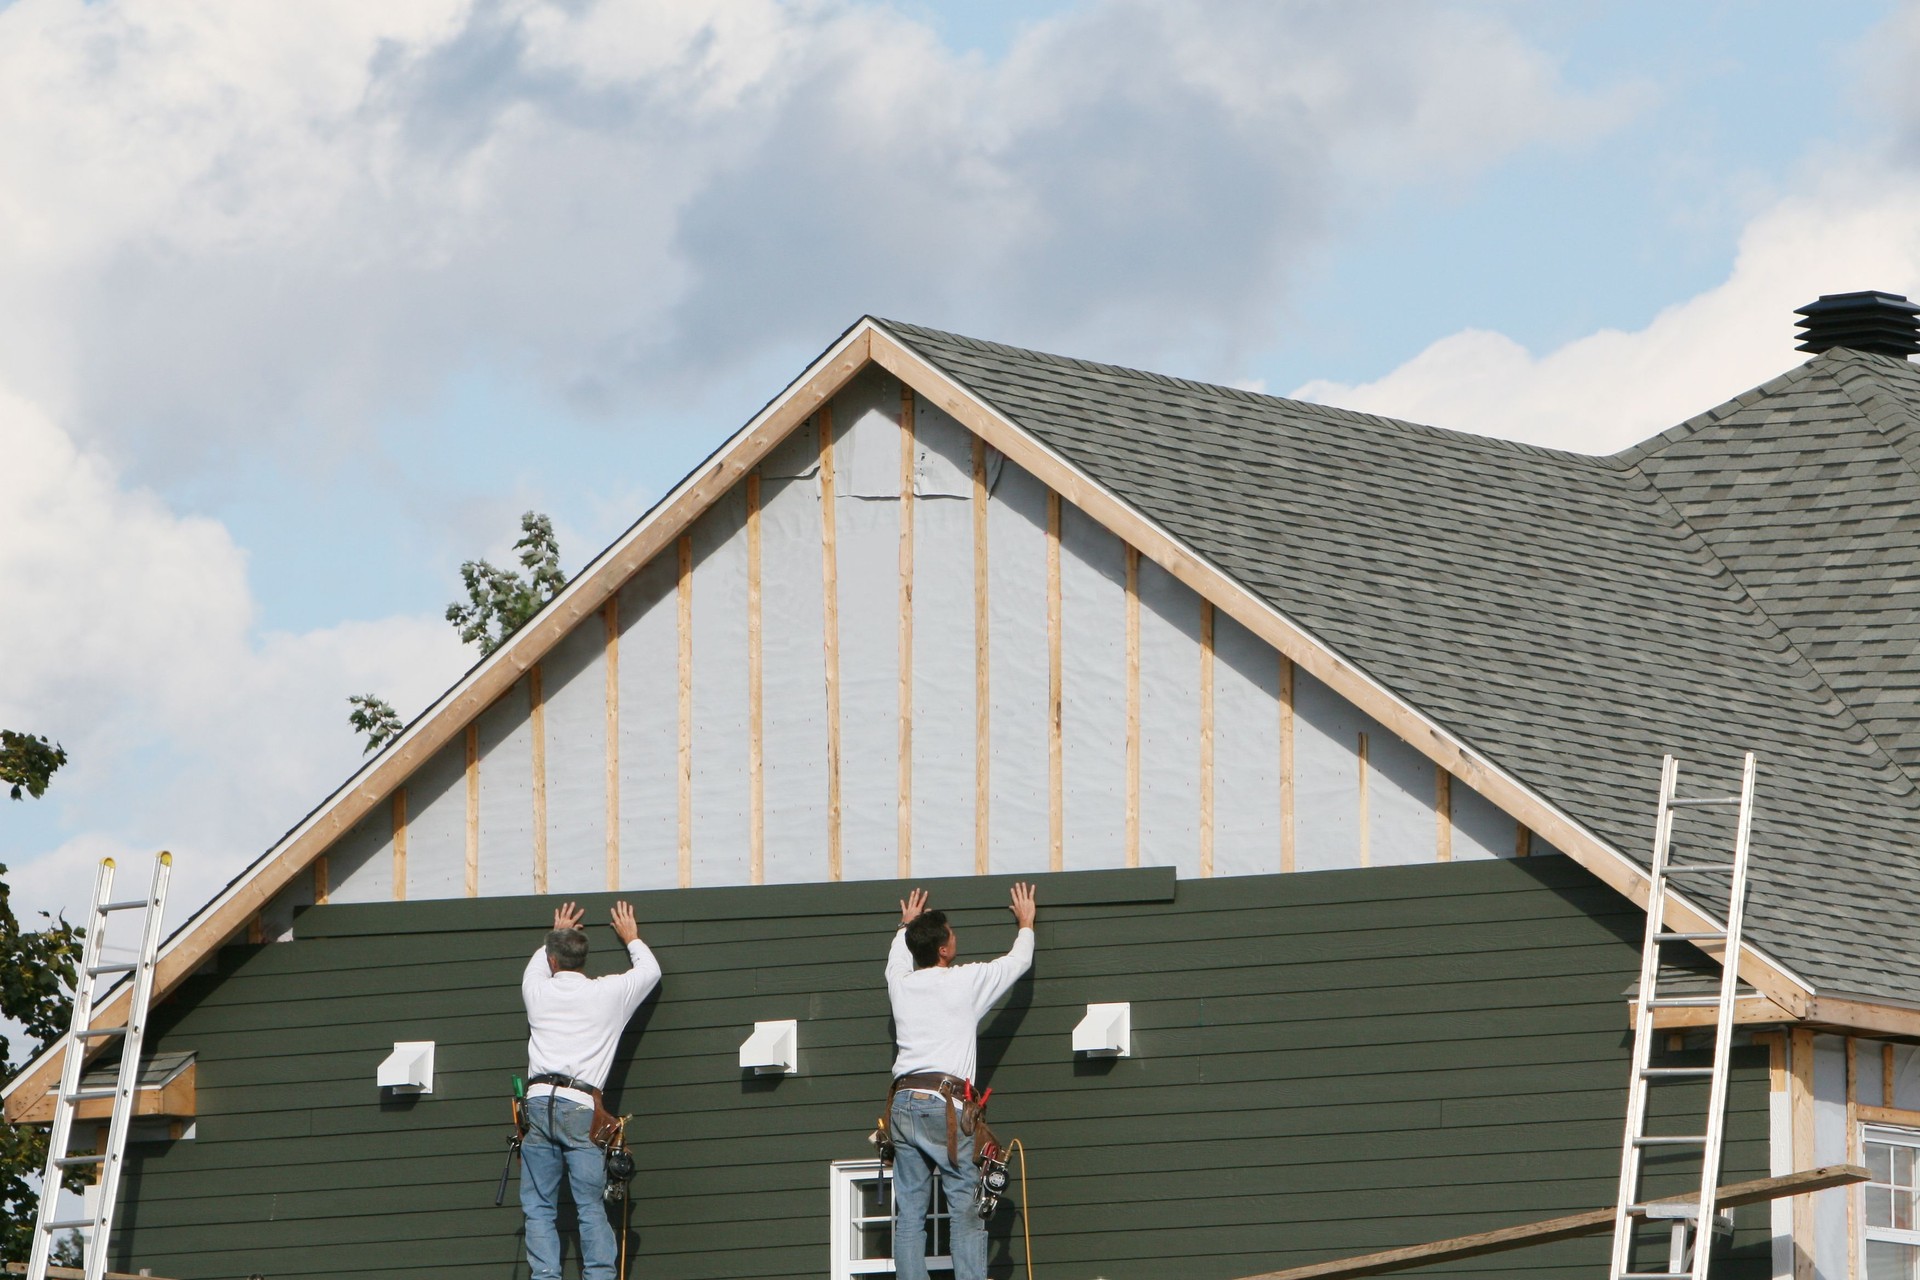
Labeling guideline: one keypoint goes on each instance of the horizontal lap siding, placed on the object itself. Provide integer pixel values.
(1324, 1064)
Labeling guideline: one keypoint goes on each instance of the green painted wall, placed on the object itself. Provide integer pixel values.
(1324, 1064)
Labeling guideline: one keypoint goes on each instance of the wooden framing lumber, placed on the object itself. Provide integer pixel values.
(321, 888)
(537, 732)
(756, 755)
(1522, 840)
(610, 617)
(1800, 1109)
(399, 845)
(1886, 1075)
(473, 810)
(227, 913)
(1133, 707)
(1286, 764)
(982, 670)
(1363, 826)
(830, 636)
(1443, 815)
(1748, 1010)
(1323, 663)
(1855, 1155)
(684, 759)
(1206, 739)
(74, 1273)
(1906, 1117)
(1056, 760)
(904, 813)
(178, 1098)
(1592, 1222)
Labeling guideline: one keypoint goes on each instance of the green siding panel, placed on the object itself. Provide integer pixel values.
(1325, 1064)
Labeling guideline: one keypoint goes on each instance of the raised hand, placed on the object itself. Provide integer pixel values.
(910, 910)
(1022, 905)
(623, 926)
(568, 916)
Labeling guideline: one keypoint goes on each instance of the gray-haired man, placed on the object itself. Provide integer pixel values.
(573, 1023)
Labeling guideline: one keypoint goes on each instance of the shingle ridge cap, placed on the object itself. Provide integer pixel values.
(1862, 378)
(1260, 399)
(1632, 455)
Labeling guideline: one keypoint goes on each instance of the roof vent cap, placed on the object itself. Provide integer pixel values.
(1864, 321)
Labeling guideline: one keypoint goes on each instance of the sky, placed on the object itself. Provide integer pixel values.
(302, 305)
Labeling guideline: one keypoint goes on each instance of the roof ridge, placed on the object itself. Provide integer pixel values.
(909, 331)
(1633, 454)
(1856, 379)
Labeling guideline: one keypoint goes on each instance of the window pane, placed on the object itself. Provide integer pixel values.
(1889, 1261)
(1879, 1207)
(874, 1199)
(872, 1240)
(1902, 1209)
(1903, 1166)
(1880, 1161)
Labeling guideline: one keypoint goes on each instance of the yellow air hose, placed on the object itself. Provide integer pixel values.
(1026, 1231)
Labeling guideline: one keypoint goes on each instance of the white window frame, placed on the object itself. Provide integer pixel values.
(1892, 1135)
(845, 1175)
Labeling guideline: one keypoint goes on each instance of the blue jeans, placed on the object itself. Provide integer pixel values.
(919, 1126)
(557, 1142)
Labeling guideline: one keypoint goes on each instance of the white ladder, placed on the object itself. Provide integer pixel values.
(1691, 1233)
(98, 1221)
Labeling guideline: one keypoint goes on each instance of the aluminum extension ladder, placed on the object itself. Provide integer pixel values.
(98, 1220)
(1691, 1222)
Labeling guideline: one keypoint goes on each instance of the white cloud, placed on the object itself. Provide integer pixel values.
(324, 210)
(129, 634)
(1856, 230)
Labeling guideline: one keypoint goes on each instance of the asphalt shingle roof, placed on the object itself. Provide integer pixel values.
(1749, 580)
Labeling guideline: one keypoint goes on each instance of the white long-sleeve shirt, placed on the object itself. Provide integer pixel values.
(937, 1012)
(573, 1021)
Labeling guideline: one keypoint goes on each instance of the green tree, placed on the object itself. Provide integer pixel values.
(37, 973)
(500, 601)
(27, 763)
(375, 717)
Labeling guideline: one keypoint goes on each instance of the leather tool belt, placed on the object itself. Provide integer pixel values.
(606, 1125)
(967, 1118)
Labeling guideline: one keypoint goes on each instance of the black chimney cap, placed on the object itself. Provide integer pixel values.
(1864, 321)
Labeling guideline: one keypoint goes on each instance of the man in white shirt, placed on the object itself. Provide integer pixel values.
(937, 1007)
(573, 1024)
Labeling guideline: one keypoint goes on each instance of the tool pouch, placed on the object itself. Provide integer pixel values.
(606, 1125)
(973, 1123)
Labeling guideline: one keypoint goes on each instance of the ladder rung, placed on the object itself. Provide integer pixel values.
(100, 970)
(1694, 802)
(88, 1095)
(1672, 1140)
(1696, 866)
(1684, 1002)
(1667, 1211)
(104, 1031)
(1711, 936)
(69, 1224)
(1673, 1073)
(131, 904)
(67, 1162)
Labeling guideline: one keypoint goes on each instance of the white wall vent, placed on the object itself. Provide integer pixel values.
(772, 1049)
(1106, 1031)
(409, 1068)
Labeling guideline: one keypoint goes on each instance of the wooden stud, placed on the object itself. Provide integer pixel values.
(904, 813)
(1361, 769)
(830, 637)
(1133, 707)
(1904, 1116)
(1286, 763)
(1522, 840)
(1800, 1106)
(756, 758)
(982, 701)
(1443, 815)
(1056, 773)
(400, 845)
(1853, 1157)
(1776, 1046)
(1886, 1075)
(473, 810)
(537, 721)
(610, 615)
(685, 627)
(320, 886)
(256, 930)
(1206, 739)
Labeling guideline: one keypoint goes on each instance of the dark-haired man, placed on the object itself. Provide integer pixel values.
(573, 1022)
(937, 1007)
